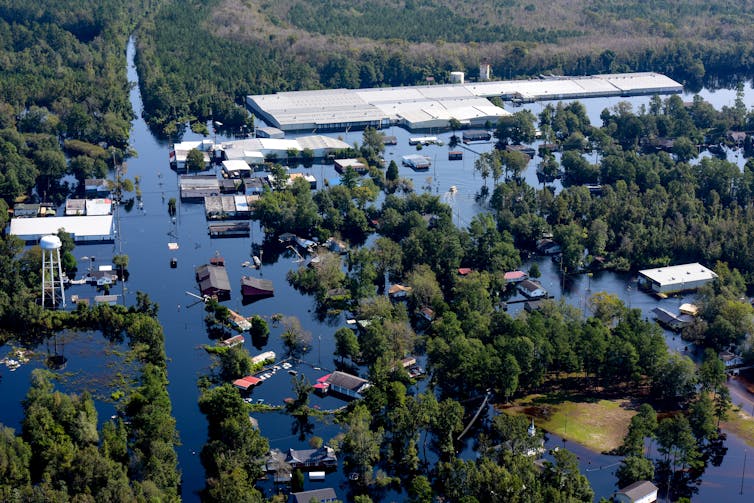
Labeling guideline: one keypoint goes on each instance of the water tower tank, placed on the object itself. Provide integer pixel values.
(50, 243)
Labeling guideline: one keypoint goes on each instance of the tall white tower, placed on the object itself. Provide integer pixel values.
(484, 72)
(52, 271)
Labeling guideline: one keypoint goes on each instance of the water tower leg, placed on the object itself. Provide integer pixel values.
(60, 278)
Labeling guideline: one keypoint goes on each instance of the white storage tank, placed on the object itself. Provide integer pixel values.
(456, 77)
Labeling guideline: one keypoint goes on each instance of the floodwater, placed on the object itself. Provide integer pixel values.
(145, 234)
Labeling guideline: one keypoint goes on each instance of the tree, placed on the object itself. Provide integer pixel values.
(346, 343)
(633, 469)
(195, 160)
(296, 339)
(564, 478)
(392, 171)
(361, 443)
(349, 178)
(684, 149)
(676, 442)
(675, 379)
(420, 491)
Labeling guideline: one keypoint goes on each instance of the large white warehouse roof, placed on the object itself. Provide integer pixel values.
(432, 106)
(82, 228)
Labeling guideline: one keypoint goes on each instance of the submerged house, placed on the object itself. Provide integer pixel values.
(311, 459)
(672, 321)
(256, 287)
(344, 384)
(532, 289)
(213, 281)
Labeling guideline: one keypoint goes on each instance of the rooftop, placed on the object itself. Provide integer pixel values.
(433, 106)
(638, 490)
(324, 495)
(347, 381)
(81, 227)
(679, 274)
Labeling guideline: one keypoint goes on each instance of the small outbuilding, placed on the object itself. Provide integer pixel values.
(341, 165)
(416, 162)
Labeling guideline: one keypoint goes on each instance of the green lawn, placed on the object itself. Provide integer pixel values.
(599, 425)
(741, 424)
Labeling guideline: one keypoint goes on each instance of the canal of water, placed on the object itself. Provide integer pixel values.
(145, 234)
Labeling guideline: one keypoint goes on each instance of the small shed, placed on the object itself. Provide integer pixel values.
(642, 491)
(515, 276)
(342, 164)
(416, 162)
(75, 207)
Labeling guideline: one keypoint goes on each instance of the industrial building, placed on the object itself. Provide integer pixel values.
(426, 107)
(255, 150)
(81, 228)
(677, 278)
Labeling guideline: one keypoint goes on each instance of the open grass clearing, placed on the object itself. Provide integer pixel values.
(740, 424)
(597, 424)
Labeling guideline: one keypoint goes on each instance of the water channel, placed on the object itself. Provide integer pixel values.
(145, 233)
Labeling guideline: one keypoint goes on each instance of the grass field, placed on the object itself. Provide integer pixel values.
(741, 424)
(599, 425)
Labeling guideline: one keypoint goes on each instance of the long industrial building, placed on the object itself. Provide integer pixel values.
(426, 107)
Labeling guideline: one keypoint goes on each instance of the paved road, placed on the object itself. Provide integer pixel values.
(740, 395)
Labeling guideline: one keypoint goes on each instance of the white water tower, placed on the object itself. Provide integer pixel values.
(52, 271)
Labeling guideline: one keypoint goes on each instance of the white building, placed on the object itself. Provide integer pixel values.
(677, 278)
(642, 491)
(81, 228)
(423, 107)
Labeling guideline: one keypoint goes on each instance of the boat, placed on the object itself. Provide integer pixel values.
(257, 261)
(293, 372)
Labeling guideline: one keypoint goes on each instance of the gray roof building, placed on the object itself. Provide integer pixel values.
(324, 495)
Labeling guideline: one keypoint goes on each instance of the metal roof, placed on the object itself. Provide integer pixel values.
(342, 108)
(679, 274)
(81, 227)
